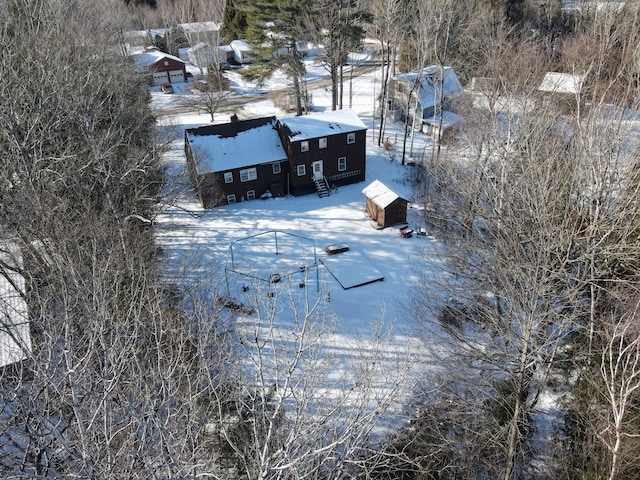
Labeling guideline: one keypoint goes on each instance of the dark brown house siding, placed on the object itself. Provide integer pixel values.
(393, 214)
(219, 187)
(353, 155)
(384, 206)
(213, 190)
(340, 160)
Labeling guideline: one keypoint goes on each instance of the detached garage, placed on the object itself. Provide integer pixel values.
(384, 206)
(161, 67)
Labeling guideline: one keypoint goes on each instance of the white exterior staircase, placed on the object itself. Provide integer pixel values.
(322, 186)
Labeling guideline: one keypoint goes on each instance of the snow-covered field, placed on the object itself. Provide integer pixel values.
(370, 322)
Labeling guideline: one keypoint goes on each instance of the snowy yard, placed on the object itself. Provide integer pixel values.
(365, 290)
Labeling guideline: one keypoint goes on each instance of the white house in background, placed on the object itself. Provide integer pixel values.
(203, 54)
(160, 67)
(15, 337)
(428, 94)
(195, 32)
(241, 51)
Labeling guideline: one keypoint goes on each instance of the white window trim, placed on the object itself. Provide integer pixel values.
(228, 177)
(304, 146)
(276, 168)
(322, 142)
(343, 167)
(351, 138)
(231, 198)
(302, 170)
(251, 195)
(249, 173)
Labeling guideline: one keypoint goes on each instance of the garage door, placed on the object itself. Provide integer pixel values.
(176, 76)
(160, 77)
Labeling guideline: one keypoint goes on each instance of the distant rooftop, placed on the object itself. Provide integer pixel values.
(555, 82)
(151, 56)
(432, 81)
(198, 27)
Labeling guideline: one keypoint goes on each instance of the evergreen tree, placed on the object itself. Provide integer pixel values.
(274, 29)
(234, 23)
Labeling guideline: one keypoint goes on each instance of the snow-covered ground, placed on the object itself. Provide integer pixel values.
(369, 323)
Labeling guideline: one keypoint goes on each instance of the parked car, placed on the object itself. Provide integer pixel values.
(166, 88)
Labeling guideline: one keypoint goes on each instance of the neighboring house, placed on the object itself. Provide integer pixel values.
(324, 149)
(203, 55)
(429, 95)
(242, 51)
(15, 336)
(160, 67)
(196, 32)
(249, 159)
(384, 206)
(137, 40)
(236, 161)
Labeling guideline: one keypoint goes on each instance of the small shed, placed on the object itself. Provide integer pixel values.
(384, 206)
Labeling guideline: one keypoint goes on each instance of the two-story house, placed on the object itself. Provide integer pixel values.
(428, 94)
(262, 157)
(236, 161)
(324, 149)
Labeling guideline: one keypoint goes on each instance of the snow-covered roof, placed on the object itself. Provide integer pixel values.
(556, 82)
(15, 338)
(592, 4)
(144, 34)
(236, 146)
(240, 45)
(380, 194)
(432, 82)
(152, 56)
(323, 124)
(199, 27)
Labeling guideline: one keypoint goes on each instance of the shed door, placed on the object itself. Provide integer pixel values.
(176, 76)
(317, 169)
(160, 77)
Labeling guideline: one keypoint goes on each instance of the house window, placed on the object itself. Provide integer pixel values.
(276, 168)
(304, 146)
(322, 142)
(301, 170)
(351, 137)
(231, 198)
(342, 164)
(228, 177)
(248, 174)
(251, 195)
